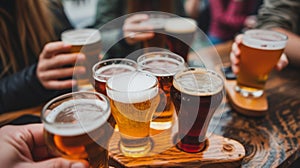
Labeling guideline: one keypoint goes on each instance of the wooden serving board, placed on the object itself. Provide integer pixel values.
(220, 152)
(254, 107)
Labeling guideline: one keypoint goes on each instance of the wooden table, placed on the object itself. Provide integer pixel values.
(270, 141)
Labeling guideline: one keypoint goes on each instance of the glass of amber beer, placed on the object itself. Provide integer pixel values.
(196, 94)
(76, 127)
(105, 69)
(88, 42)
(163, 65)
(133, 98)
(260, 51)
(180, 35)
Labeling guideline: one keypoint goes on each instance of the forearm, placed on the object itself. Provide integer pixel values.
(292, 46)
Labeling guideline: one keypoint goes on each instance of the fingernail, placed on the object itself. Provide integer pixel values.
(78, 165)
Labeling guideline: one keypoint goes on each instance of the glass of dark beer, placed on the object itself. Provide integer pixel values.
(105, 69)
(163, 65)
(180, 35)
(196, 94)
(76, 127)
(157, 21)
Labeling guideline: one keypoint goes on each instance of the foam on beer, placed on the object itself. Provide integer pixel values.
(198, 82)
(105, 72)
(264, 39)
(180, 25)
(88, 114)
(161, 66)
(132, 87)
(81, 36)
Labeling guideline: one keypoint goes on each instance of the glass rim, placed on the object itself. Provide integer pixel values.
(121, 60)
(68, 36)
(219, 89)
(273, 40)
(155, 85)
(71, 94)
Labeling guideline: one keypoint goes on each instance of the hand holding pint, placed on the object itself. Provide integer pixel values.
(260, 51)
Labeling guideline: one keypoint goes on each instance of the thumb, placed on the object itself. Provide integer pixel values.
(61, 163)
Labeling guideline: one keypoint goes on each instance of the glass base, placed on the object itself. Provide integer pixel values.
(249, 92)
(191, 148)
(161, 125)
(136, 151)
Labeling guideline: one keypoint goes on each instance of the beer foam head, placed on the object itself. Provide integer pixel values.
(180, 25)
(160, 63)
(132, 87)
(198, 82)
(81, 36)
(264, 39)
(76, 117)
(105, 72)
(157, 23)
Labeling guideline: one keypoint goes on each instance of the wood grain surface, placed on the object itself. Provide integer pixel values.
(219, 152)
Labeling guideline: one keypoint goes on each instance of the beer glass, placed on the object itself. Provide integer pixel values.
(163, 65)
(88, 42)
(76, 127)
(260, 51)
(180, 35)
(133, 98)
(105, 69)
(196, 94)
(157, 21)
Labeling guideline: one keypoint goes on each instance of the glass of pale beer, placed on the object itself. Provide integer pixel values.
(105, 69)
(163, 65)
(88, 42)
(260, 51)
(196, 94)
(133, 98)
(180, 35)
(76, 127)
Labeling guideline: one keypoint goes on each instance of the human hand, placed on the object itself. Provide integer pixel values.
(24, 146)
(135, 32)
(235, 56)
(54, 65)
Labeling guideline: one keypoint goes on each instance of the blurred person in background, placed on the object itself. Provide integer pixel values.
(33, 68)
(281, 16)
(108, 10)
(226, 17)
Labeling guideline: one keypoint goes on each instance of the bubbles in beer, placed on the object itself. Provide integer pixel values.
(199, 82)
(77, 117)
(105, 72)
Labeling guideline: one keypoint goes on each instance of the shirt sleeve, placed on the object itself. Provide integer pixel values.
(23, 90)
(279, 13)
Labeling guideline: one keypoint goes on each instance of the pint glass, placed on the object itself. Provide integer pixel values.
(133, 98)
(76, 127)
(180, 35)
(88, 42)
(260, 51)
(105, 69)
(163, 65)
(157, 21)
(196, 94)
